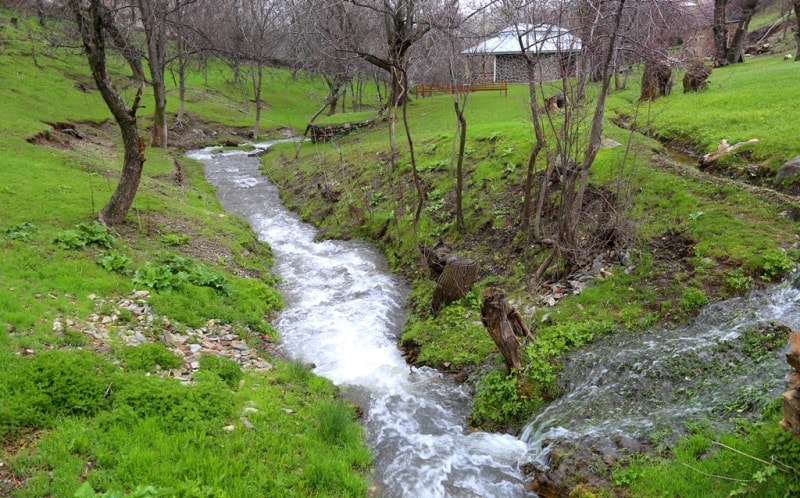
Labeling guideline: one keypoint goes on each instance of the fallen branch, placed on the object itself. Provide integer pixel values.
(722, 149)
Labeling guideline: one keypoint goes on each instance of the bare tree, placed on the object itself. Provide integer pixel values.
(724, 52)
(382, 32)
(89, 18)
(552, 216)
(118, 21)
(258, 32)
(154, 19)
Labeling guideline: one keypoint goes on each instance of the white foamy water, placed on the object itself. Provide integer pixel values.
(662, 379)
(344, 312)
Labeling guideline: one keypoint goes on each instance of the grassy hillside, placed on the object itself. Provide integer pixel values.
(696, 236)
(96, 325)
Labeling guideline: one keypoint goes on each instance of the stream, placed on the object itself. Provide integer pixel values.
(729, 362)
(344, 313)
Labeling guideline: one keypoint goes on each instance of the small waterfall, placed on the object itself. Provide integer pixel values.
(344, 312)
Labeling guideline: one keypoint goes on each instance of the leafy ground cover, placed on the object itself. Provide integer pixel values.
(85, 418)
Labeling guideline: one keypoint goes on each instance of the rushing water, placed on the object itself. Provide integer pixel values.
(343, 313)
(662, 379)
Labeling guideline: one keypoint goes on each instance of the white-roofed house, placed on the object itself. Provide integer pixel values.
(500, 58)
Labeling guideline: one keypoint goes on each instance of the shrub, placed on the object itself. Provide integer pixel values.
(500, 400)
(83, 235)
(175, 406)
(115, 262)
(170, 272)
(148, 356)
(172, 239)
(692, 300)
(226, 369)
(774, 263)
(21, 231)
(737, 281)
(336, 424)
(36, 390)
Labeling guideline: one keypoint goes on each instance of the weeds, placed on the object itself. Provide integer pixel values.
(83, 235)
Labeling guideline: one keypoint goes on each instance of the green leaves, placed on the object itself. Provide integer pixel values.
(170, 272)
(84, 235)
(21, 231)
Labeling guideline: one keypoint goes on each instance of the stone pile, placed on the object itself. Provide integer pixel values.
(791, 398)
(551, 292)
(130, 321)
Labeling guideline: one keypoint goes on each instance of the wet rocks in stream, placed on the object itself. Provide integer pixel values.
(586, 463)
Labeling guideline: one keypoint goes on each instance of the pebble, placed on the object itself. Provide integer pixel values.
(214, 338)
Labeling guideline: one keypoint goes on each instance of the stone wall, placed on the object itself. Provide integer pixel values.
(511, 68)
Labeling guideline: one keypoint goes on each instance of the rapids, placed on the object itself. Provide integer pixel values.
(344, 311)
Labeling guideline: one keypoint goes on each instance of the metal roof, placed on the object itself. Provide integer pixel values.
(538, 39)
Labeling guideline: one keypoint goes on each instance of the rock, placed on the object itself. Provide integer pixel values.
(247, 424)
(240, 346)
(789, 172)
(140, 294)
(628, 445)
(609, 143)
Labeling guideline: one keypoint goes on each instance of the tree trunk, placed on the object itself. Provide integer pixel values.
(257, 79)
(735, 53)
(455, 281)
(540, 144)
(505, 326)
(154, 27)
(182, 63)
(791, 398)
(89, 20)
(797, 31)
(40, 13)
(720, 33)
(656, 81)
(462, 143)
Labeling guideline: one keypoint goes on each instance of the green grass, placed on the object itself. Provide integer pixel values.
(761, 459)
(71, 419)
(751, 109)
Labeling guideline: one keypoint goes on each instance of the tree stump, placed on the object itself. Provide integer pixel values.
(656, 80)
(436, 257)
(504, 324)
(696, 77)
(455, 281)
(791, 398)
